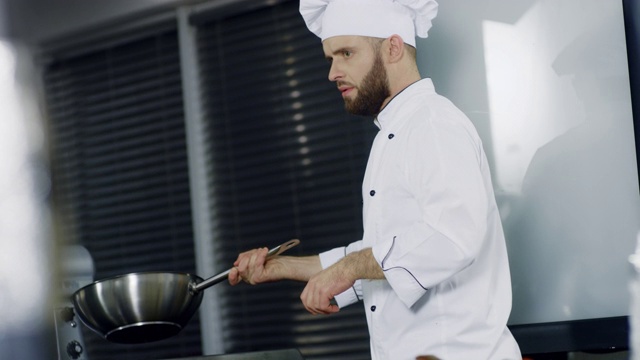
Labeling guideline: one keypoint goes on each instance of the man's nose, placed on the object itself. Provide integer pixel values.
(335, 73)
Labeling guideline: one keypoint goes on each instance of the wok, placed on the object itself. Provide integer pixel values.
(146, 306)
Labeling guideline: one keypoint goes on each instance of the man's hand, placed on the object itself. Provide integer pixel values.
(337, 278)
(322, 287)
(250, 267)
(253, 267)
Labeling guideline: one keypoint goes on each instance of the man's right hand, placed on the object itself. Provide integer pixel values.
(251, 267)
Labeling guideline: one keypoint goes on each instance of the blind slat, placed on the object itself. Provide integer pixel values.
(288, 162)
(120, 145)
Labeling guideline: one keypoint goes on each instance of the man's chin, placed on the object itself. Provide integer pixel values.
(348, 104)
(350, 108)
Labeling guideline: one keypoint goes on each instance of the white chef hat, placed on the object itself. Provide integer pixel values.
(373, 18)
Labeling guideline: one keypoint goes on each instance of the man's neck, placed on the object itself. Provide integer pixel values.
(401, 82)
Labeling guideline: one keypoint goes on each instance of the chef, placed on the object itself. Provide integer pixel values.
(431, 267)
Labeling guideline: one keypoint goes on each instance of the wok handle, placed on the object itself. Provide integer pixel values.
(224, 275)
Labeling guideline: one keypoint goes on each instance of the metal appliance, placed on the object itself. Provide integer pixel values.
(77, 270)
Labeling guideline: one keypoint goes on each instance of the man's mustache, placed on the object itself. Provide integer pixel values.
(344, 83)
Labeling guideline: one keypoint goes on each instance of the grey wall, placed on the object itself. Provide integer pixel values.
(546, 83)
(37, 21)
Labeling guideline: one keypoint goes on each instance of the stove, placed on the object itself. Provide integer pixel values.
(77, 270)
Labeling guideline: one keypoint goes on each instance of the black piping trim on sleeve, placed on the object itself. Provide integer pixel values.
(399, 267)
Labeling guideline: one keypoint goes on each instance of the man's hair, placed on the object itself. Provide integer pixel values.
(376, 43)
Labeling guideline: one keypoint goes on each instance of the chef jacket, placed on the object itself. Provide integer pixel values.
(432, 222)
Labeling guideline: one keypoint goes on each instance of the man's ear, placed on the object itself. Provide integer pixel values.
(395, 49)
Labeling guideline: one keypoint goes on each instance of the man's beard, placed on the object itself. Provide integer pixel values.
(372, 92)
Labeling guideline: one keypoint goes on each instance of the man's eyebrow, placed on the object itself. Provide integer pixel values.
(338, 51)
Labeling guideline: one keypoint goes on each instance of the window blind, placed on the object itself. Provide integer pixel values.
(121, 165)
(285, 161)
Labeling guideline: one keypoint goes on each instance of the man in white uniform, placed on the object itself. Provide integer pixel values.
(432, 266)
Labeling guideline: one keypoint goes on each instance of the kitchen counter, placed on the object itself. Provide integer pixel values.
(288, 354)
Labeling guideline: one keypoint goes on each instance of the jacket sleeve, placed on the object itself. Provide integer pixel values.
(331, 257)
(443, 169)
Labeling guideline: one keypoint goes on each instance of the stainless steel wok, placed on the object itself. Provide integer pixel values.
(149, 306)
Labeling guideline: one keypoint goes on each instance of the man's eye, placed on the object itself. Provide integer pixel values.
(347, 53)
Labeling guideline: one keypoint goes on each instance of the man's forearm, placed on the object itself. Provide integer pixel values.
(300, 268)
(337, 278)
(362, 265)
(358, 265)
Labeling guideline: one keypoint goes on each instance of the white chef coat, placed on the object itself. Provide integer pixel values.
(432, 222)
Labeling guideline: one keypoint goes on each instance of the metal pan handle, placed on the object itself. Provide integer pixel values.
(224, 275)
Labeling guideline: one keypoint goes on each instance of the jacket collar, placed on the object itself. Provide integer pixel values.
(401, 104)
